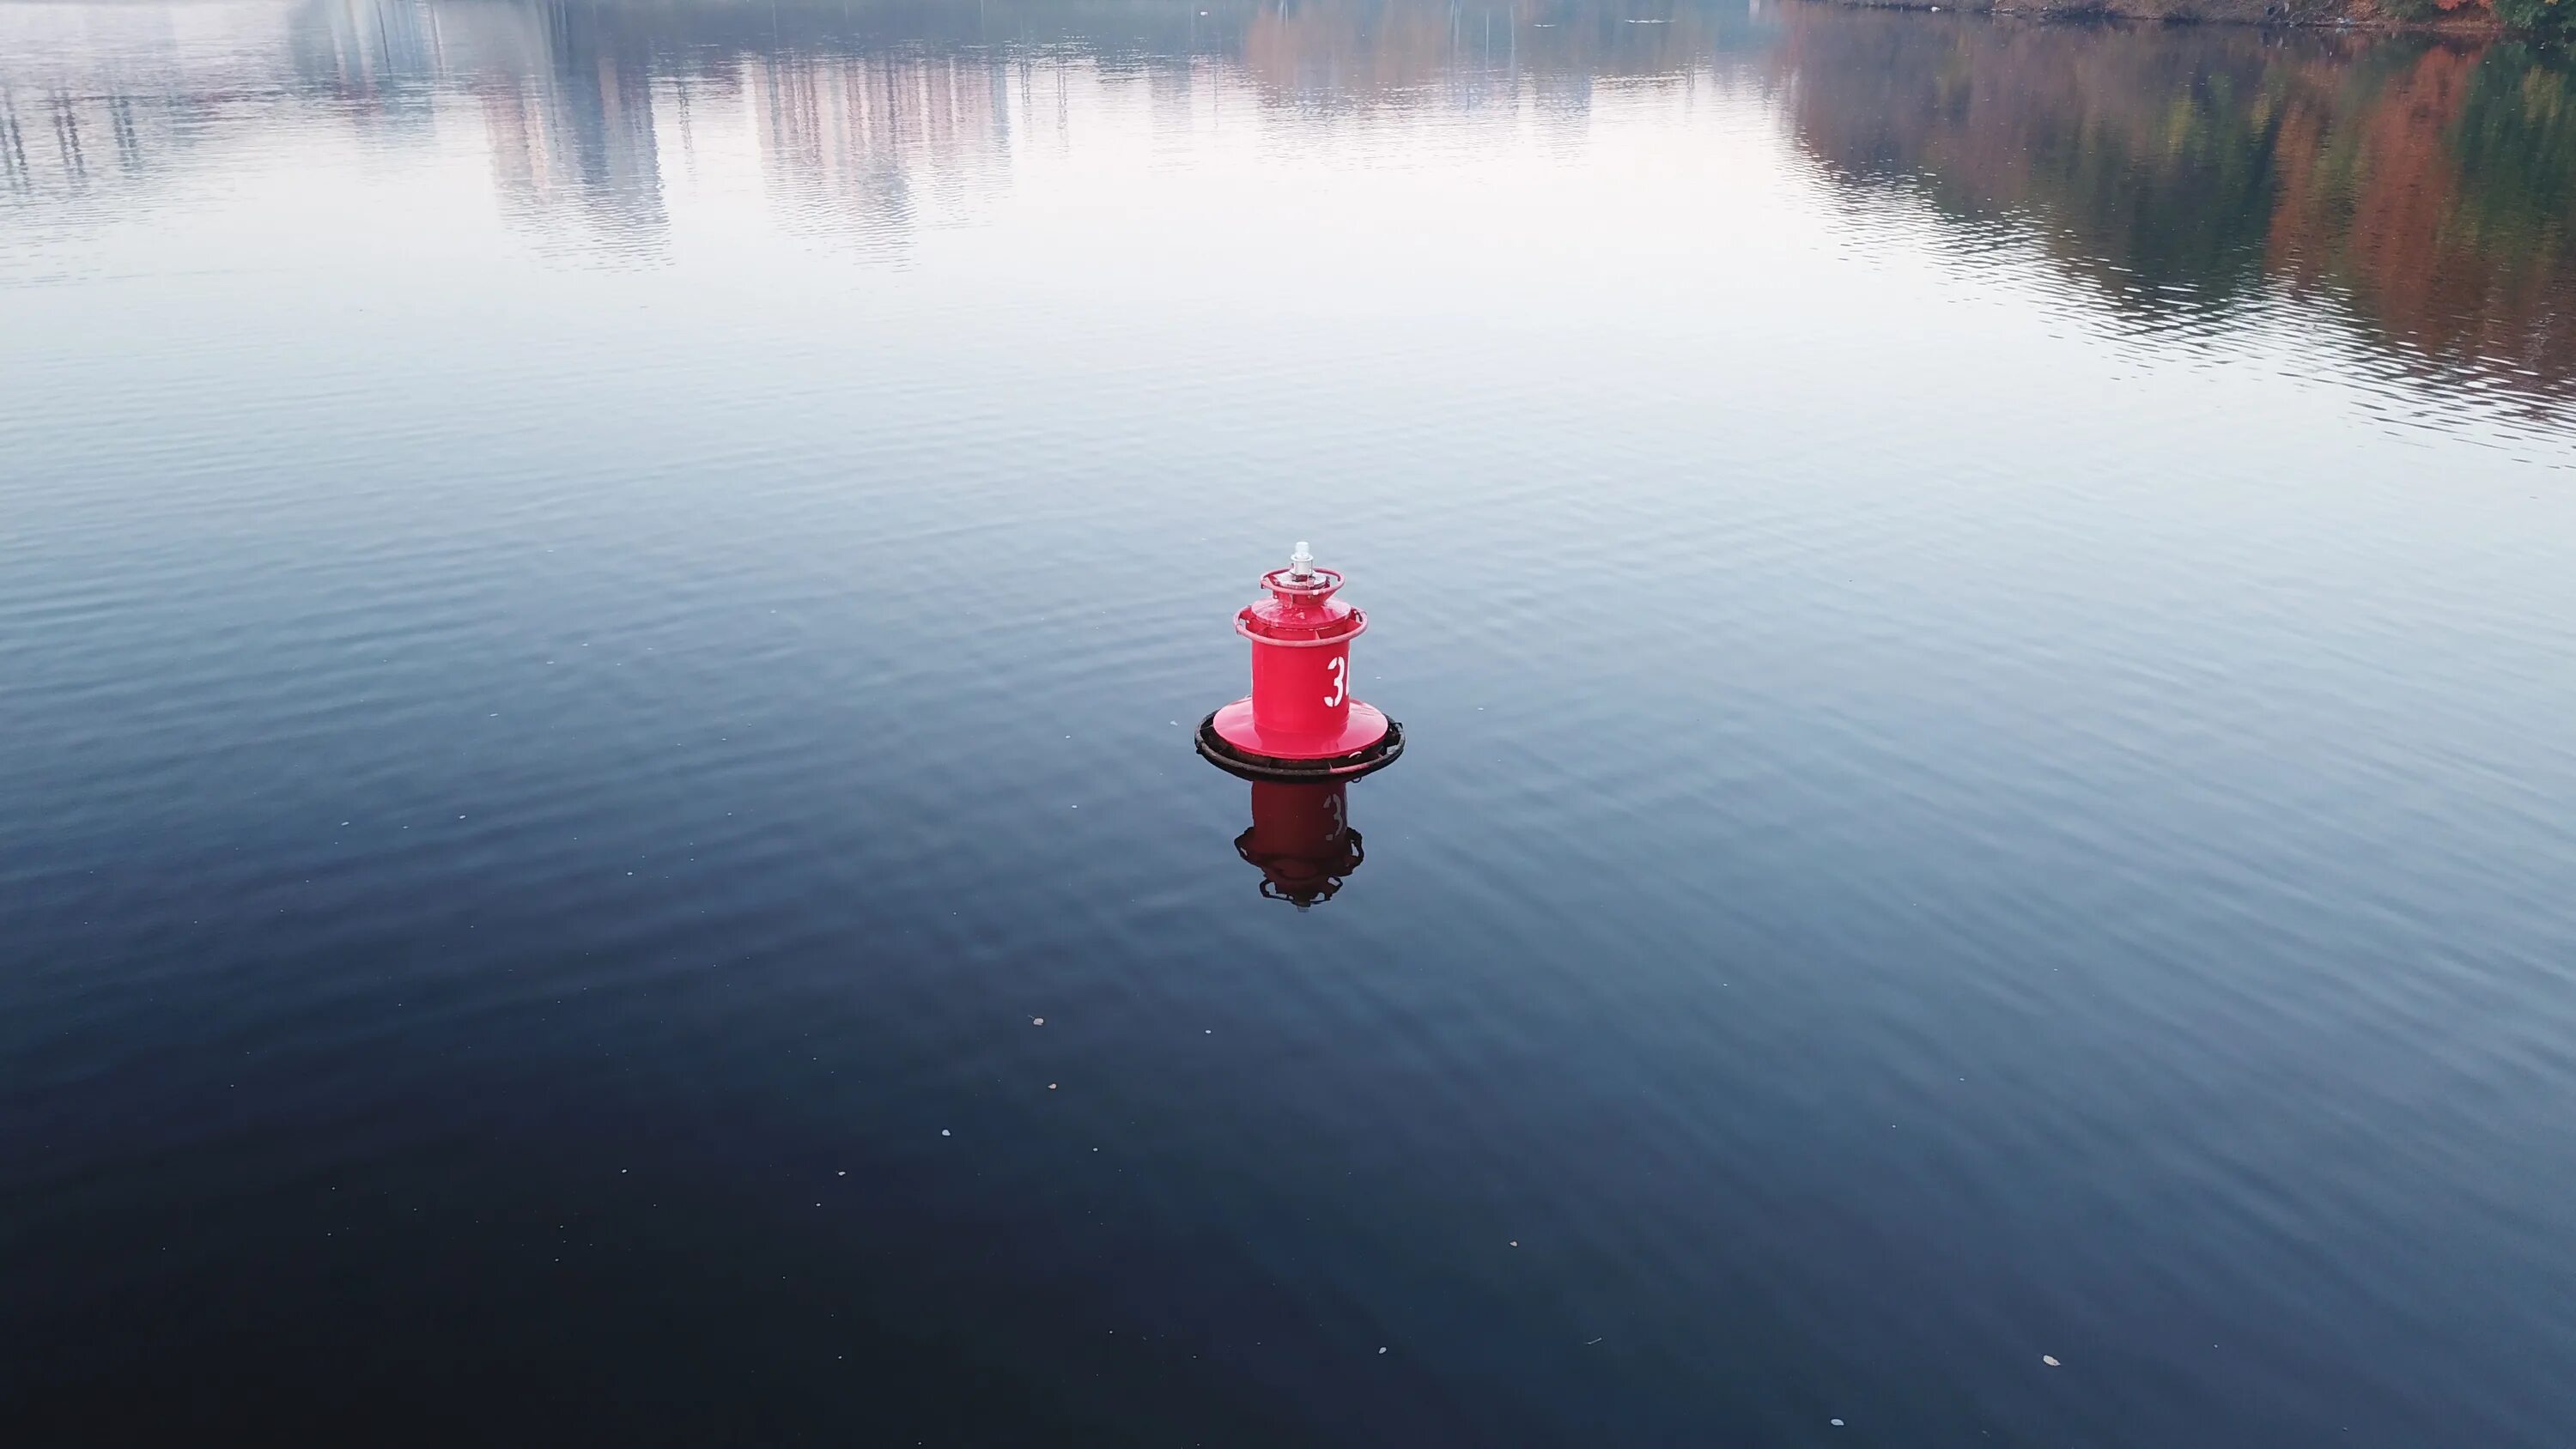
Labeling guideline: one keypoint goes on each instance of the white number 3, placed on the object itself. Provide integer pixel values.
(1340, 667)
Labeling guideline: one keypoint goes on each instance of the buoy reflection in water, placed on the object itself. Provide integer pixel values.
(1301, 839)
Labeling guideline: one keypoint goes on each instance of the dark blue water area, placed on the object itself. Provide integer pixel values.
(614, 855)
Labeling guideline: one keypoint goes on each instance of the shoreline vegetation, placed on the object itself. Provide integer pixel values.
(2464, 19)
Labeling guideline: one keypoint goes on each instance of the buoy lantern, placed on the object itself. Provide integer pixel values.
(1300, 722)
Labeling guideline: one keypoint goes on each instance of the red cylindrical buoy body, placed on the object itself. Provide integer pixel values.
(1301, 687)
(1301, 839)
(1300, 721)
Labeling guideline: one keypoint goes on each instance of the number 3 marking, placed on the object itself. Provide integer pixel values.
(1339, 667)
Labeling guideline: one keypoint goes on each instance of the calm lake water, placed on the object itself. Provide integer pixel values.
(601, 605)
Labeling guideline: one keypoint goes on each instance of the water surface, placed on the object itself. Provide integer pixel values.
(600, 607)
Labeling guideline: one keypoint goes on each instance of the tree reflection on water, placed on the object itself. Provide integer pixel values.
(2421, 190)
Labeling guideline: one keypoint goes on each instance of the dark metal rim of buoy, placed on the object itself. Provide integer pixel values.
(1225, 756)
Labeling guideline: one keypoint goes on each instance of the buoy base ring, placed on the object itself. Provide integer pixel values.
(1235, 759)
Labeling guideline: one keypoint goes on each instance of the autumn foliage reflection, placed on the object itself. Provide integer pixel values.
(1361, 51)
(2424, 187)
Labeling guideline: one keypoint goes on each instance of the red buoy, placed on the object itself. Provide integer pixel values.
(1301, 840)
(1300, 722)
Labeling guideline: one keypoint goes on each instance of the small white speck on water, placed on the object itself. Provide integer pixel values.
(1516, 1242)
(943, 1131)
(1381, 1350)
(1837, 1423)
(621, 1172)
(1037, 1021)
(2051, 1359)
(844, 1172)
(1050, 1086)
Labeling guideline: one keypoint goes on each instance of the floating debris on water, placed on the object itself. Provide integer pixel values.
(1037, 1021)
(943, 1131)
(2050, 1360)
